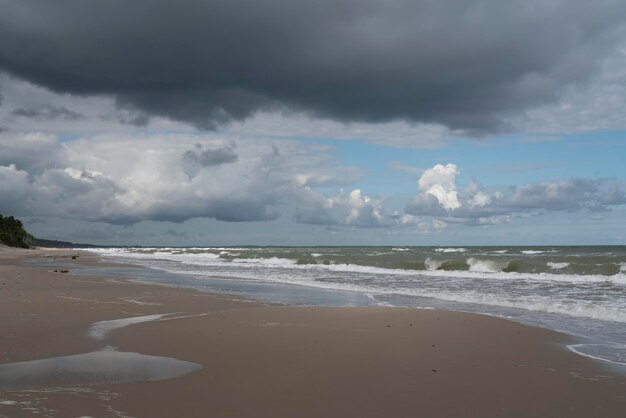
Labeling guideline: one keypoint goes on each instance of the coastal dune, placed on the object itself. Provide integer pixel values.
(278, 361)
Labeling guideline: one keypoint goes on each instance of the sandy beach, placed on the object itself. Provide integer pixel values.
(278, 361)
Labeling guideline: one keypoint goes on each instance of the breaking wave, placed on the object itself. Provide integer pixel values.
(487, 266)
(451, 250)
(271, 262)
(557, 266)
(535, 252)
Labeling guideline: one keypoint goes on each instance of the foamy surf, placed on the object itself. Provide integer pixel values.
(535, 252)
(486, 266)
(451, 250)
(271, 262)
(469, 268)
(556, 266)
(597, 351)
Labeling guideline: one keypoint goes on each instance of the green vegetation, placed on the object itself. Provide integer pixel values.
(12, 233)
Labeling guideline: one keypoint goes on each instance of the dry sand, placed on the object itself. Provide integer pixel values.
(272, 361)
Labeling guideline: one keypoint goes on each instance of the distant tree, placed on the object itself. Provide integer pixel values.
(12, 232)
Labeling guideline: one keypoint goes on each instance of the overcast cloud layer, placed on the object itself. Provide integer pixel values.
(469, 66)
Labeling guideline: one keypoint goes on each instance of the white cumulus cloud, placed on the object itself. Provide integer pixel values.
(440, 198)
(126, 179)
(354, 209)
(440, 182)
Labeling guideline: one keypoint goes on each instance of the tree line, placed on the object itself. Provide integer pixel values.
(13, 234)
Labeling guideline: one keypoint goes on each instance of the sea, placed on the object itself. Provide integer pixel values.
(578, 290)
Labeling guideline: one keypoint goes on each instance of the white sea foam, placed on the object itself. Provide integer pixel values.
(483, 269)
(501, 251)
(486, 266)
(98, 330)
(576, 348)
(619, 278)
(557, 266)
(431, 264)
(140, 302)
(271, 261)
(534, 252)
(204, 258)
(207, 259)
(546, 304)
(451, 250)
(537, 304)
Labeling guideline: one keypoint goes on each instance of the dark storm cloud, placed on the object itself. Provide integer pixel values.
(48, 112)
(465, 64)
(195, 159)
(209, 157)
(132, 116)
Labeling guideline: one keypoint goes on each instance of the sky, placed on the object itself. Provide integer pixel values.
(290, 122)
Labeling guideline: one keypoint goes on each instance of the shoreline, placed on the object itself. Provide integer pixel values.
(262, 360)
(596, 337)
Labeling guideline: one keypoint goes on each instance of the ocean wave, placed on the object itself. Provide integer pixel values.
(483, 269)
(227, 254)
(557, 266)
(450, 250)
(271, 261)
(472, 264)
(535, 252)
(534, 303)
(546, 304)
(476, 285)
(487, 266)
(431, 264)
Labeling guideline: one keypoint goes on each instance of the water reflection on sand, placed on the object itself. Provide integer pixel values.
(104, 366)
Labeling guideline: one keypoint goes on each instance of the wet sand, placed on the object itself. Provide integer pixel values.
(274, 361)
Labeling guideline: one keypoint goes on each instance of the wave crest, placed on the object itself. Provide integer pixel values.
(488, 266)
(450, 250)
